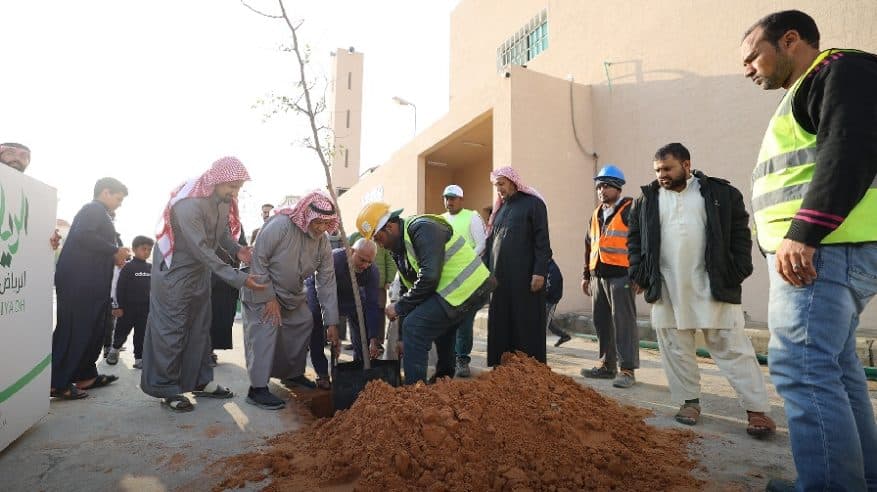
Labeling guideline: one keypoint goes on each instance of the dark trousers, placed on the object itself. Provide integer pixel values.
(109, 325)
(132, 318)
(77, 340)
(549, 316)
(429, 323)
(615, 322)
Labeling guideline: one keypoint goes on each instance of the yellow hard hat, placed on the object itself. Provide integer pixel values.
(372, 217)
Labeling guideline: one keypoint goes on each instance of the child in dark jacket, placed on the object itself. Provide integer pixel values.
(553, 294)
(132, 298)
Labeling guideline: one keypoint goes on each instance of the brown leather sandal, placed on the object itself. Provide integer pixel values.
(760, 425)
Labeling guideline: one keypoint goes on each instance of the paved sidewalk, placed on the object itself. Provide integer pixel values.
(122, 439)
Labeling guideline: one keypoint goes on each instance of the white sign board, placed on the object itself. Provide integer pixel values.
(27, 220)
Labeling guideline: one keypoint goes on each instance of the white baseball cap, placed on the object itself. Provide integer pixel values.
(453, 190)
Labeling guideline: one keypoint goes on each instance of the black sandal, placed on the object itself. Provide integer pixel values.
(178, 403)
(102, 380)
(72, 393)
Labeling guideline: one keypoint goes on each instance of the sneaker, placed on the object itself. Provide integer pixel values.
(113, 356)
(563, 339)
(601, 372)
(300, 381)
(462, 369)
(263, 398)
(625, 379)
(138, 363)
(214, 360)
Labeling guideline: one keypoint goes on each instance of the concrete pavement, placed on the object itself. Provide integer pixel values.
(122, 439)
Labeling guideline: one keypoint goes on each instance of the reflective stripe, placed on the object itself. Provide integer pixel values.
(787, 194)
(782, 195)
(619, 251)
(614, 233)
(789, 159)
(459, 243)
(464, 275)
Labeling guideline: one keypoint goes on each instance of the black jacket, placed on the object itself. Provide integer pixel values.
(553, 283)
(428, 238)
(728, 243)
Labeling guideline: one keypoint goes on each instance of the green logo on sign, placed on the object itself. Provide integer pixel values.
(11, 228)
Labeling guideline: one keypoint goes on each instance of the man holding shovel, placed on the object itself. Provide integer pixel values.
(446, 280)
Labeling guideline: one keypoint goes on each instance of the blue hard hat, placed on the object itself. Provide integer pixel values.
(610, 174)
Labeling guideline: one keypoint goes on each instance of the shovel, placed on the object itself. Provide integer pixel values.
(349, 378)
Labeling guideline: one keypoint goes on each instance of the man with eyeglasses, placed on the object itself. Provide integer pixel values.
(368, 280)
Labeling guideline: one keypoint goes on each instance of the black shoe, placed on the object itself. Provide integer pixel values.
(301, 381)
(780, 485)
(563, 339)
(601, 372)
(263, 398)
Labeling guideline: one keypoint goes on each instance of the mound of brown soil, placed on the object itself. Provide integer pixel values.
(518, 427)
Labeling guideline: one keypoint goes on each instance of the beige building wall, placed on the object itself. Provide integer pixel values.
(646, 74)
(345, 109)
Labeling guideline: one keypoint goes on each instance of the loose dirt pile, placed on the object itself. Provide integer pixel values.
(518, 427)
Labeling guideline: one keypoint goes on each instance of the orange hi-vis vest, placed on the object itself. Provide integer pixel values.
(610, 244)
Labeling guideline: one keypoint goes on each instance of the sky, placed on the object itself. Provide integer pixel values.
(152, 93)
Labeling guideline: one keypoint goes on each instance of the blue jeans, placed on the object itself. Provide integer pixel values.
(428, 323)
(814, 366)
(463, 346)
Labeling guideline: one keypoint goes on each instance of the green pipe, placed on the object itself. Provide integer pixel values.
(870, 372)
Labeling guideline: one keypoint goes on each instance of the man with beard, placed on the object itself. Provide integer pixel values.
(814, 200)
(518, 251)
(277, 322)
(690, 250)
(201, 215)
(82, 280)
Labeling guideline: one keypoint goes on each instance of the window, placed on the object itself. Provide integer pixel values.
(346, 155)
(349, 80)
(348, 118)
(524, 45)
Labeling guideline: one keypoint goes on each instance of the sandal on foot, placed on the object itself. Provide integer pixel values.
(213, 390)
(760, 425)
(178, 403)
(688, 414)
(72, 393)
(101, 380)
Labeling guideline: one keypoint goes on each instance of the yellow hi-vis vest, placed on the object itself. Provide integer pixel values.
(463, 271)
(783, 174)
(462, 223)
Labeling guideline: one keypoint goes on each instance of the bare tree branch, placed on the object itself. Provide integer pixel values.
(314, 142)
(263, 14)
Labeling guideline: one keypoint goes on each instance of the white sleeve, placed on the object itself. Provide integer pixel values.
(479, 232)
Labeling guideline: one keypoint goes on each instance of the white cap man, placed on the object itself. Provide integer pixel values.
(470, 225)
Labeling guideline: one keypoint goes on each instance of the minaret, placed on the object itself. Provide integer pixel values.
(345, 117)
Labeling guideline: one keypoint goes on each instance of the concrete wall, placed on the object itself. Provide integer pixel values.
(345, 109)
(544, 151)
(674, 74)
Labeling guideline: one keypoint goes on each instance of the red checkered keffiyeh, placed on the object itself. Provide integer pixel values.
(510, 174)
(315, 205)
(224, 170)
